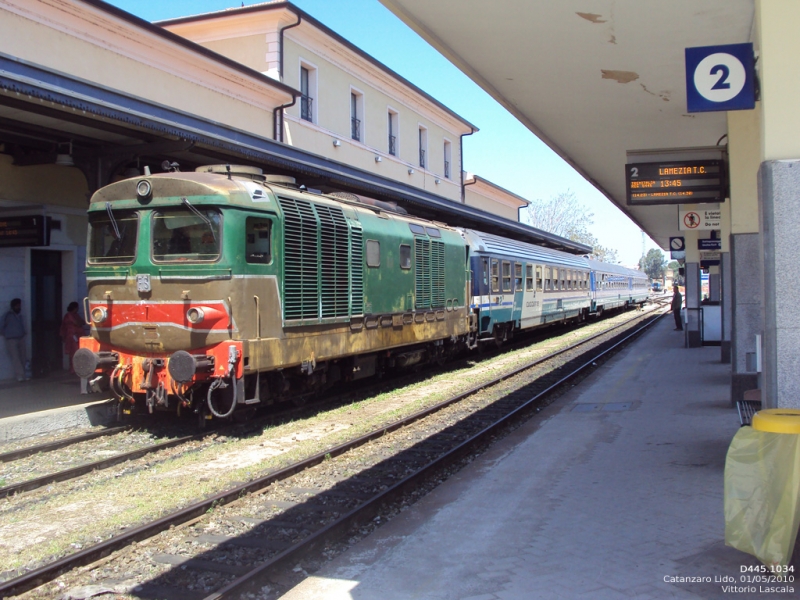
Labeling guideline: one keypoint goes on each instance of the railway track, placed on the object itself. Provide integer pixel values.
(86, 465)
(272, 521)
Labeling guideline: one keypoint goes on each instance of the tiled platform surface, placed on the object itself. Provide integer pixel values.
(48, 404)
(614, 491)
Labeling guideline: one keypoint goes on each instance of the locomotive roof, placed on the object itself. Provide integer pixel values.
(494, 244)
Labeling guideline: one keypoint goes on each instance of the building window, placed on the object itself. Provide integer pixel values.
(447, 159)
(356, 116)
(392, 132)
(308, 90)
(423, 146)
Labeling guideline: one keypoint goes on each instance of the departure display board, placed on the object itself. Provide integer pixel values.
(23, 231)
(683, 182)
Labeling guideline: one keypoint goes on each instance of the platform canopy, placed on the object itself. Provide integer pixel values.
(594, 79)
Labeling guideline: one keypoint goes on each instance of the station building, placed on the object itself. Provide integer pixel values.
(90, 94)
(608, 89)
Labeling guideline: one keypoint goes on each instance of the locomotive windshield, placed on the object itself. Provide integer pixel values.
(186, 233)
(112, 236)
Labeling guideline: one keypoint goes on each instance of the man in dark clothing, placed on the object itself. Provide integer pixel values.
(677, 302)
(12, 328)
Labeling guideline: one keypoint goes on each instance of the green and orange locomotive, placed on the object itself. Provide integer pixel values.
(223, 289)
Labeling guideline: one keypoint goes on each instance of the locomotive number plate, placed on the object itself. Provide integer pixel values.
(143, 282)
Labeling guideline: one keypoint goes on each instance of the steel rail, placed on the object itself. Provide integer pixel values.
(48, 572)
(51, 446)
(98, 465)
(367, 511)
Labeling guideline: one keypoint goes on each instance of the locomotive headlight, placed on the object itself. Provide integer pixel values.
(144, 189)
(99, 314)
(195, 315)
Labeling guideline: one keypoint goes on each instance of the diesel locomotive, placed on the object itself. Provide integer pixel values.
(222, 290)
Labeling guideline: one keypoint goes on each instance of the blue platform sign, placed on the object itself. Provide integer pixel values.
(720, 78)
(709, 244)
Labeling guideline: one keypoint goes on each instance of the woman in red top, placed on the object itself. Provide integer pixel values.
(71, 331)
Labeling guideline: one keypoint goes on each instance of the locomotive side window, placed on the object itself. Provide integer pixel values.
(517, 276)
(506, 276)
(529, 277)
(538, 278)
(373, 253)
(258, 243)
(181, 234)
(405, 256)
(112, 236)
(495, 275)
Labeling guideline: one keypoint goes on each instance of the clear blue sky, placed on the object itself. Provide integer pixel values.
(503, 151)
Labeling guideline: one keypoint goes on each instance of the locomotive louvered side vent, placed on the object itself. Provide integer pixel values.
(437, 274)
(356, 269)
(323, 272)
(301, 256)
(422, 272)
(335, 274)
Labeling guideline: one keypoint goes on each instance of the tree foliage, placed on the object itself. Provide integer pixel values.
(654, 264)
(565, 216)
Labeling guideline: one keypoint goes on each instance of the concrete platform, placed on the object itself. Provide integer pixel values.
(49, 404)
(616, 491)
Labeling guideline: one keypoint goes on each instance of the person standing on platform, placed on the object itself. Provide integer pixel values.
(71, 331)
(677, 303)
(12, 328)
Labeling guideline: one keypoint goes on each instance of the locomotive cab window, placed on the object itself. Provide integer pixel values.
(112, 236)
(373, 253)
(183, 234)
(258, 243)
(405, 256)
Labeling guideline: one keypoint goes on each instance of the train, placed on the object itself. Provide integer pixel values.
(222, 290)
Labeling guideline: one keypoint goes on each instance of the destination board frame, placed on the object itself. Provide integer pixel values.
(22, 231)
(675, 182)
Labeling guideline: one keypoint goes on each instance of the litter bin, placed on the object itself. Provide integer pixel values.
(762, 488)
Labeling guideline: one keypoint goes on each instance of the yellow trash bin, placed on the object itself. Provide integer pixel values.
(762, 487)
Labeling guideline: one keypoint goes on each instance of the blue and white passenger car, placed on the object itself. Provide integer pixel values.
(520, 286)
(614, 286)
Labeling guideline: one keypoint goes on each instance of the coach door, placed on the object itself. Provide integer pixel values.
(486, 299)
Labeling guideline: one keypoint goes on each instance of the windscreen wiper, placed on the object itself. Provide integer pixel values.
(113, 220)
(201, 215)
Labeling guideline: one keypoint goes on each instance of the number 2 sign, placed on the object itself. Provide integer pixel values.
(720, 78)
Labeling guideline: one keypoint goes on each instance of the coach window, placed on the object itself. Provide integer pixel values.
(529, 277)
(495, 275)
(258, 245)
(562, 273)
(538, 278)
(506, 276)
(547, 279)
(517, 277)
(569, 279)
(405, 256)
